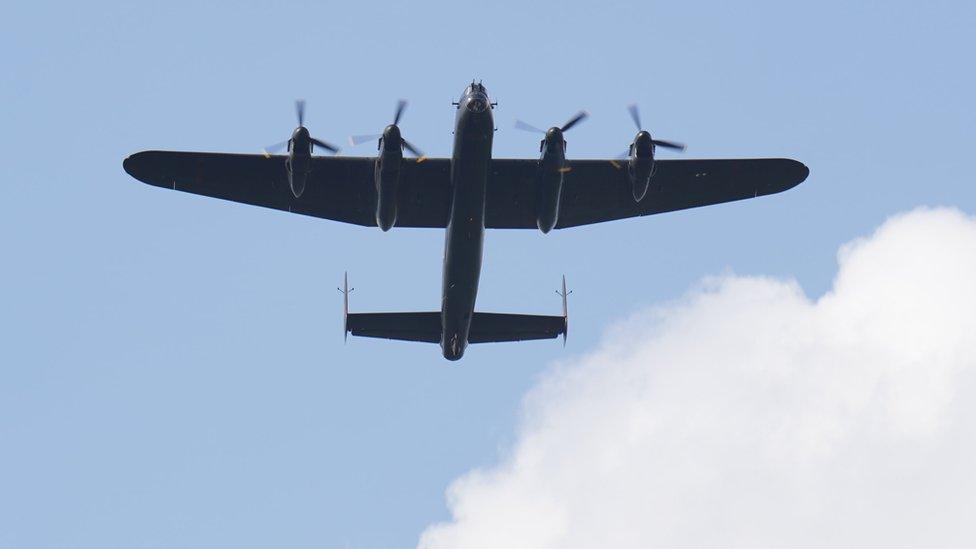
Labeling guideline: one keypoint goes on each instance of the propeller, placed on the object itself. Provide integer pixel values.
(635, 116)
(576, 119)
(300, 115)
(271, 149)
(355, 140)
(401, 106)
(528, 127)
(323, 145)
(414, 150)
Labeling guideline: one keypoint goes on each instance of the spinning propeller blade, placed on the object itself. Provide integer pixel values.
(527, 127)
(300, 111)
(360, 139)
(271, 149)
(323, 145)
(669, 144)
(580, 116)
(635, 116)
(401, 106)
(414, 151)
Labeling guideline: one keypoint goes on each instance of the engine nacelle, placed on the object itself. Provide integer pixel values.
(641, 170)
(549, 182)
(387, 183)
(548, 190)
(641, 164)
(387, 175)
(298, 168)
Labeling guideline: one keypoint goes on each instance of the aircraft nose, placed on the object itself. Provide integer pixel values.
(477, 103)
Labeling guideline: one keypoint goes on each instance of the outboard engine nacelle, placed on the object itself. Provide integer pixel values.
(299, 162)
(641, 164)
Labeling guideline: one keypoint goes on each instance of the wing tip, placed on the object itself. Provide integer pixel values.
(134, 165)
(795, 172)
(802, 171)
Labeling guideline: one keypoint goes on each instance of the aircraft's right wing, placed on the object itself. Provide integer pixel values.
(595, 191)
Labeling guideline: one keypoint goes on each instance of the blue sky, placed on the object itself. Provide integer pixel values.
(173, 371)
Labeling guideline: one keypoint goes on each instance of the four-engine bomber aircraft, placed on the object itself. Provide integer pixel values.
(465, 194)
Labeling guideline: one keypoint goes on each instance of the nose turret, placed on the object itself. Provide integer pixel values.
(475, 98)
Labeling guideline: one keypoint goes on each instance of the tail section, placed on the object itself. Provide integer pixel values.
(345, 304)
(426, 326)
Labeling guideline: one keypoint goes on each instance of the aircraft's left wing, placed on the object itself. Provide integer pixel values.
(600, 190)
(338, 188)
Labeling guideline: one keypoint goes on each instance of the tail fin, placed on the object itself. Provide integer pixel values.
(564, 294)
(344, 290)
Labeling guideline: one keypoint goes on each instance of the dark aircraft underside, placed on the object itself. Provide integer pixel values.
(465, 194)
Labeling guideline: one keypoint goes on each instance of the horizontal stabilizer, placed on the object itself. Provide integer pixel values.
(405, 326)
(426, 326)
(492, 327)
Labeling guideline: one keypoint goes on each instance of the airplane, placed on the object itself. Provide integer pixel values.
(465, 194)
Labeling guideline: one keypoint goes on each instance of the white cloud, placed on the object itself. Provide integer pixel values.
(748, 415)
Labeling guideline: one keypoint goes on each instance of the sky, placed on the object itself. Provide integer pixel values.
(749, 415)
(172, 367)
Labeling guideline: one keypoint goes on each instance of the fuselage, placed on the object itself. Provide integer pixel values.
(470, 165)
